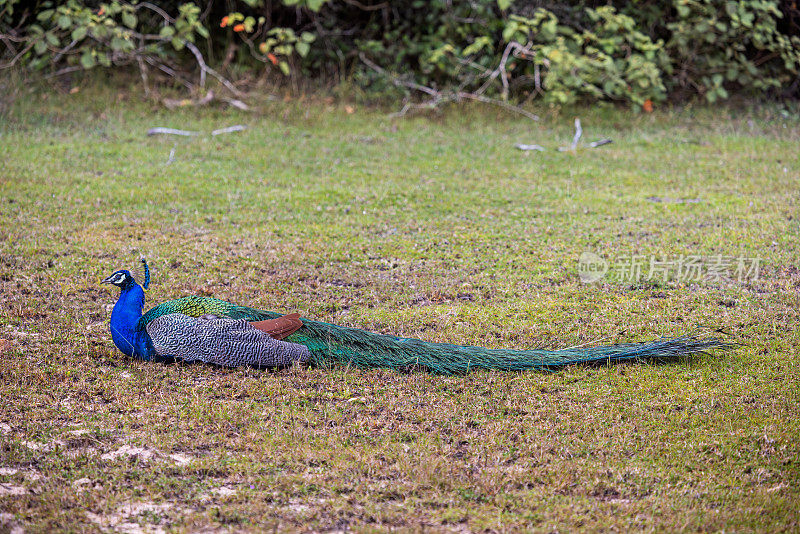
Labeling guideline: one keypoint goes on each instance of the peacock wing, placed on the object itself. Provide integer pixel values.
(195, 306)
(280, 327)
(220, 341)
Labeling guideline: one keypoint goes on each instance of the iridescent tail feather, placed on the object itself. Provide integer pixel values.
(331, 345)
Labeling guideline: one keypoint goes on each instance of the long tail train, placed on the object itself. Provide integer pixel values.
(331, 345)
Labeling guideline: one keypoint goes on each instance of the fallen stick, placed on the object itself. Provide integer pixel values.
(573, 146)
(172, 103)
(188, 133)
(669, 200)
(238, 104)
(595, 144)
(229, 129)
(171, 131)
(575, 138)
(578, 133)
(529, 147)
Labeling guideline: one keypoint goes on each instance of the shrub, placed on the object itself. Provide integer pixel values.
(722, 44)
(636, 52)
(71, 35)
(610, 59)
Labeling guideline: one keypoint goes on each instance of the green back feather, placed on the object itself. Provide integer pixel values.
(197, 306)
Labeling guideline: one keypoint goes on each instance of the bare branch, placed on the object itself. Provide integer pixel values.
(519, 51)
(65, 70)
(200, 61)
(205, 68)
(433, 104)
(395, 80)
(157, 9)
(16, 58)
(167, 70)
(238, 104)
(439, 97)
(363, 7)
(143, 74)
(64, 50)
(9, 44)
(14, 38)
(502, 104)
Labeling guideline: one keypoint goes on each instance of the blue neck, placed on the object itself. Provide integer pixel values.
(124, 317)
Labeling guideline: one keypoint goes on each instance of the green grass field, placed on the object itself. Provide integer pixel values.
(430, 227)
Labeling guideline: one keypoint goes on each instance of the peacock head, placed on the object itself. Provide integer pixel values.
(122, 279)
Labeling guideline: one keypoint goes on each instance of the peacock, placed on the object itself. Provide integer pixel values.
(210, 330)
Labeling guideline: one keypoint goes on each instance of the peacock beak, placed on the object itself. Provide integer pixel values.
(107, 280)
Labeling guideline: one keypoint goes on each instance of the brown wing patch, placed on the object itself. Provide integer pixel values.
(281, 327)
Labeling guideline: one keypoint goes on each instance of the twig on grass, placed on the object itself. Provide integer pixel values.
(238, 104)
(573, 146)
(575, 138)
(229, 129)
(529, 147)
(578, 133)
(172, 103)
(171, 131)
(210, 96)
(189, 133)
(595, 144)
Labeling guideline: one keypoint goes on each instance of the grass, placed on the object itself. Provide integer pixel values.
(433, 227)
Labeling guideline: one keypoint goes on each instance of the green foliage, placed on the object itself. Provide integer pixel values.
(278, 44)
(76, 35)
(610, 59)
(636, 53)
(313, 5)
(718, 44)
(423, 41)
